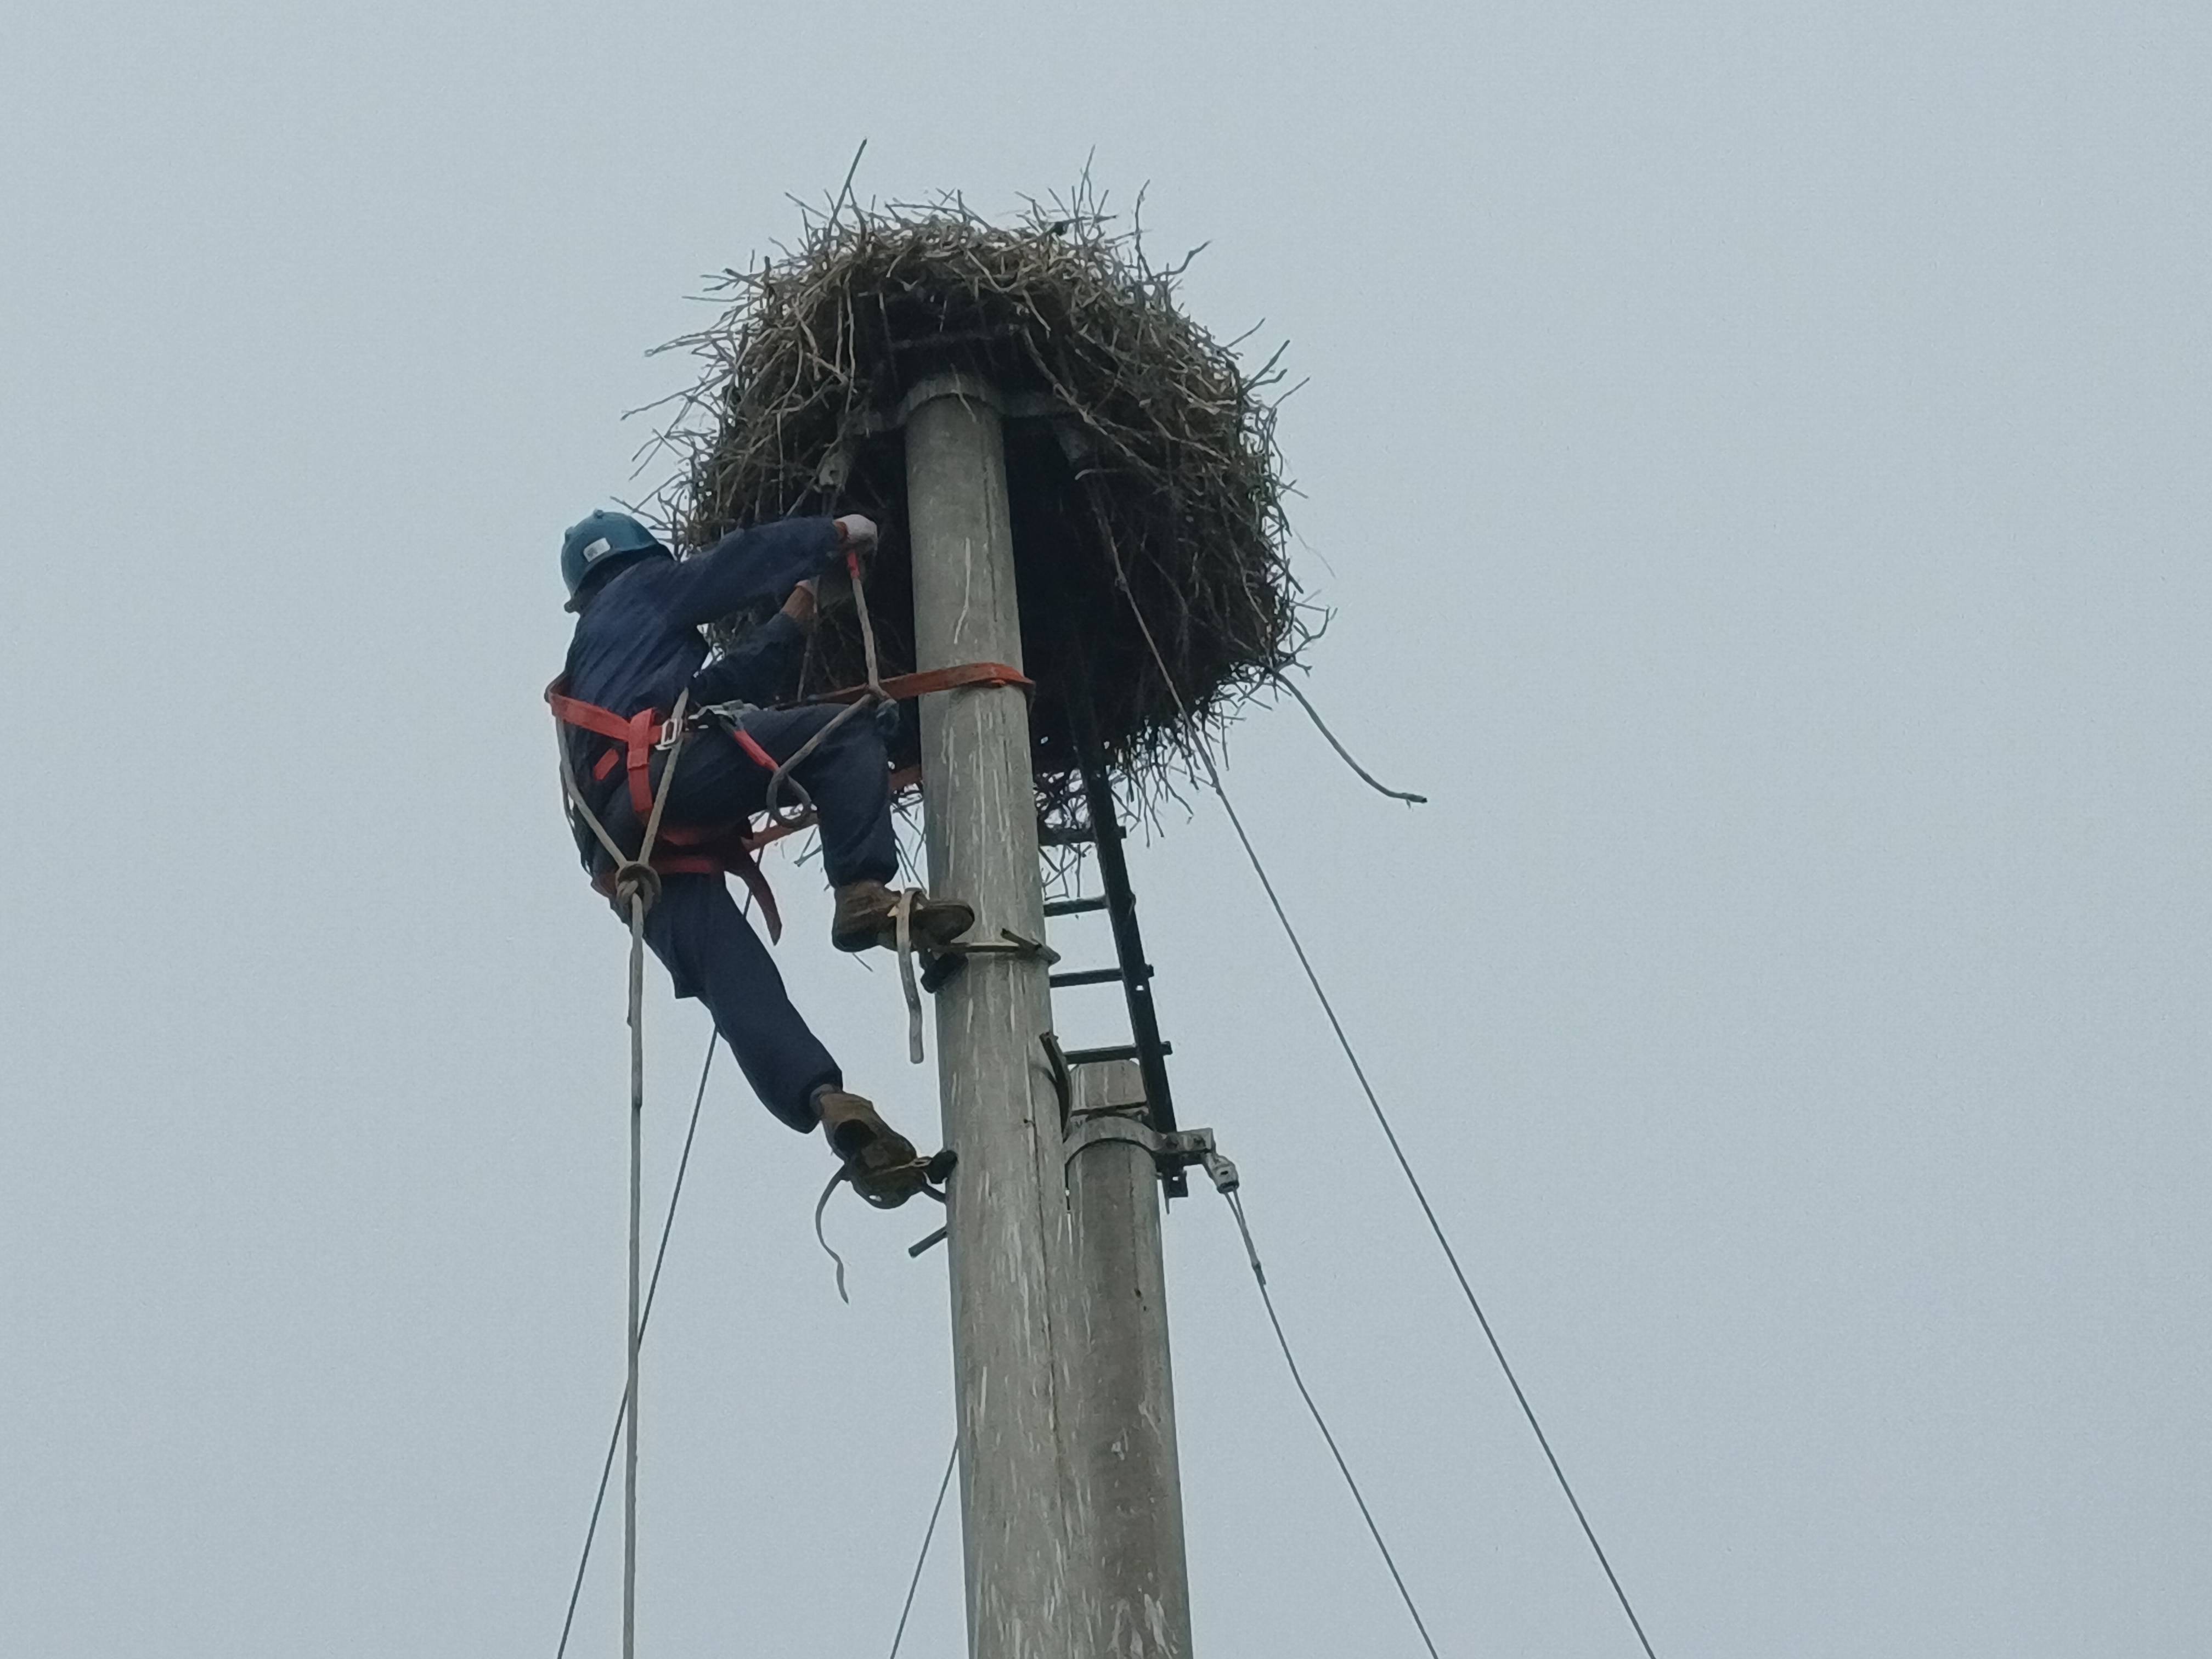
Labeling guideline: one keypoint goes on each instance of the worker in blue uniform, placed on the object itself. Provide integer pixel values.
(637, 645)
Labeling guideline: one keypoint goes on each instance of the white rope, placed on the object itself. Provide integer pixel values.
(636, 1231)
(873, 696)
(903, 918)
(635, 887)
(644, 1320)
(637, 883)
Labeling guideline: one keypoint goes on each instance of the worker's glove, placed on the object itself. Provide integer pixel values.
(856, 534)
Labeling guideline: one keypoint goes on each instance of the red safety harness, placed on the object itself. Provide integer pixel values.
(711, 849)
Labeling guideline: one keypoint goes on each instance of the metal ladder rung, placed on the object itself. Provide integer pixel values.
(1103, 833)
(1117, 1051)
(1095, 976)
(1074, 907)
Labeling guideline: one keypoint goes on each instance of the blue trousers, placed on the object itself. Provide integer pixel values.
(710, 950)
(847, 777)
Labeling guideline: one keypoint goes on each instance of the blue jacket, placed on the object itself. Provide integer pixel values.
(637, 642)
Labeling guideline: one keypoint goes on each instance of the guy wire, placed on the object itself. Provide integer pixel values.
(1195, 743)
(1267, 1298)
(951, 1462)
(1428, 1211)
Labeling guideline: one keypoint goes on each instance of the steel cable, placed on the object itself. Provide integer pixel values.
(1428, 1211)
(1195, 744)
(1267, 1300)
(1346, 755)
(929, 1533)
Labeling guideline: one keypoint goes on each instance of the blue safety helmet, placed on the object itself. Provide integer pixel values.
(601, 540)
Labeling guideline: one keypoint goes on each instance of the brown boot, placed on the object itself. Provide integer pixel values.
(867, 915)
(882, 1164)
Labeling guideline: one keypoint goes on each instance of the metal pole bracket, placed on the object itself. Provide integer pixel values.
(1173, 1151)
(940, 963)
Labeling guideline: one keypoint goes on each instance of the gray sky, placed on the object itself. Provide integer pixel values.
(1756, 456)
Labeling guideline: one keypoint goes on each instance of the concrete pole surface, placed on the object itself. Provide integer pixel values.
(1007, 1216)
(1128, 1515)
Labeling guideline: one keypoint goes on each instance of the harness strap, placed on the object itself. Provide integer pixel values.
(723, 849)
(715, 849)
(754, 752)
(742, 846)
(729, 847)
(638, 733)
(570, 711)
(644, 728)
(749, 871)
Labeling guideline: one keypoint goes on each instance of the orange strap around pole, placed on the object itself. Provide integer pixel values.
(900, 688)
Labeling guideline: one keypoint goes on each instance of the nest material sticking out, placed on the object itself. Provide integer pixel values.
(1148, 503)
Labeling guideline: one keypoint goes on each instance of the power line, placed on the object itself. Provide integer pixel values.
(1260, 1278)
(614, 1440)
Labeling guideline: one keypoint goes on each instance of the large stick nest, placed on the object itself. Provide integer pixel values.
(1146, 499)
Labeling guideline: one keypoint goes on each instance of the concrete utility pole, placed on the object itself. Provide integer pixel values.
(1136, 1598)
(1070, 1495)
(1008, 1217)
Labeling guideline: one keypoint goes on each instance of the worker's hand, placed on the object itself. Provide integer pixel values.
(856, 534)
(802, 604)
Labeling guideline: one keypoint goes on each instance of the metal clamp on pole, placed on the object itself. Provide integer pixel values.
(1222, 1173)
(1176, 1150)
(939, 962)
